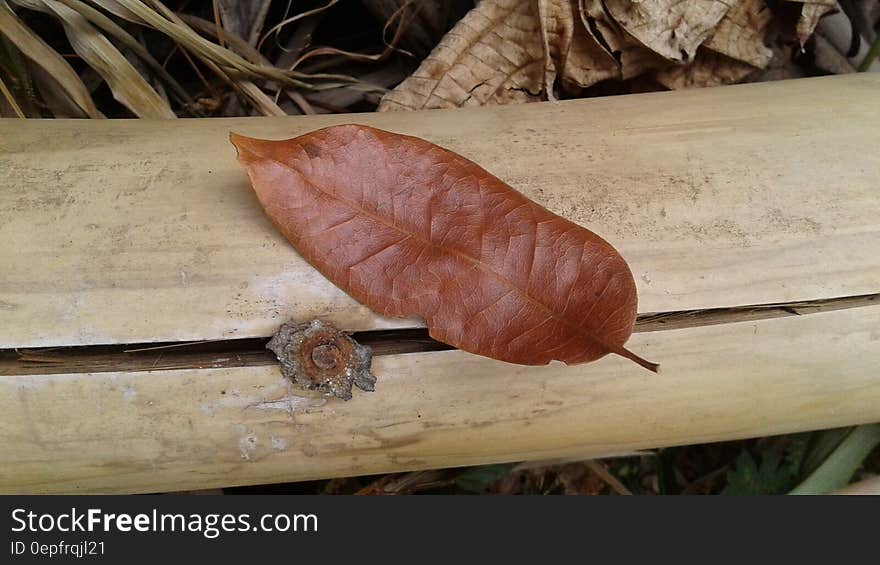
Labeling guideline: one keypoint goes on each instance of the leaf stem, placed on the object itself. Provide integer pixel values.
(623, 352)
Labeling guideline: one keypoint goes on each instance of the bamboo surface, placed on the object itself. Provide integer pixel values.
(203, 428)
(115, 232)
(138, 231)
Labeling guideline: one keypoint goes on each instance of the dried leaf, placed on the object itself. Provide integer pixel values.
(160, 18)
(56, 100)
(782, 65)
(506, 51)
(112, 29)
(244, 19)
(119, 9)
(811, 12)
(492, 56)
(40, 53)
(10, 101)
(740, 34)
(20, 92)
(578, 479)
(557, 30)
(570, 49)
(708, 69)
(672, 28)
(411, 229)
(261, 101)
(233, 41)
(634, 58)
(127, 85)
(587, 62)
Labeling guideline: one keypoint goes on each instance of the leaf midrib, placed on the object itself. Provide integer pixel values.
(476, 262)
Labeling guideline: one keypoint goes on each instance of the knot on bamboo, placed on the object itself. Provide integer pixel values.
(317, 356)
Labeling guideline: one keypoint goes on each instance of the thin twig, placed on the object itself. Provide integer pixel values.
(300, 101)
(389, 47)
(257, 25)
(217, 23)
(199, 74)
(170, 54)
(277, 27)
(170, 346)
(606, 476)
(694, 487)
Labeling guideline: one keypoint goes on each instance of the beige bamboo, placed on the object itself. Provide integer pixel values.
(117, 232)
(132, 231)
(186, 429)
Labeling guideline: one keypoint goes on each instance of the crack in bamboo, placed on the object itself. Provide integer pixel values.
(251, 351)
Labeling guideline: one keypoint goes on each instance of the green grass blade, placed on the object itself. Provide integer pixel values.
(838, 468)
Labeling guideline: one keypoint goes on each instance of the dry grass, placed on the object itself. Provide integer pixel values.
(57, 55)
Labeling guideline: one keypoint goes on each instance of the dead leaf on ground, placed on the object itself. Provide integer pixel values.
(708, 69)
(578, 479)
(557, 31)
(506, 51)
(732, 52)
(811, 12)
(671, 28)
(568, 46)
(740, 34)
(632, 57)
(492, 56)
(780, 67)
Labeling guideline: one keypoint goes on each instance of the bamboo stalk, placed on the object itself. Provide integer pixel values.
(749, 208)
(200, 428)
(717, 198)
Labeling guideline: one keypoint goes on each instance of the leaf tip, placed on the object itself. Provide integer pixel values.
(236, 138)
(241, 142)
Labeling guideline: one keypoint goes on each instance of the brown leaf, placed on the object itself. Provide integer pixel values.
(557, 30)
(411, 229)
(811, 12)
(708, 69)
(782, 65)
(740, 34)
(568, 46)
(634, 58)
(671, 28)
(578, 479)
(506, 51)
(492, 56)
